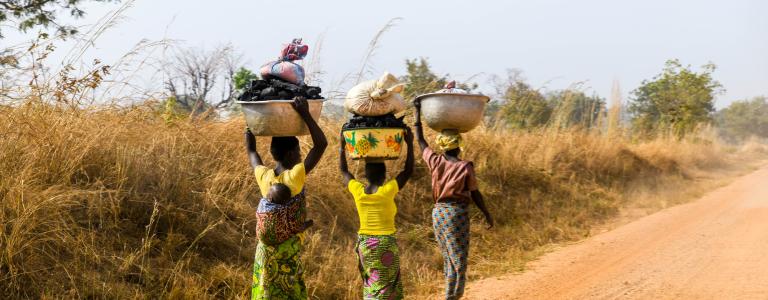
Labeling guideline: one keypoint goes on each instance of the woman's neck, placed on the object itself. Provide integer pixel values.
(371, 189)
(280, 167)
(379, 182)
(451, 157)
(373, 186)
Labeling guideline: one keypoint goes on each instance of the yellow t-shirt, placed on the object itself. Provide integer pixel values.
(376, 211)
(293, 178)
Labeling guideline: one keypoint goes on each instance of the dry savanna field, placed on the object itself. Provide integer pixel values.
(115, 202)
(156, 199)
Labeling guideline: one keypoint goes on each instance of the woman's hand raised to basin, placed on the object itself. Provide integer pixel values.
(250, 147)
(408, 135)
(301, 106)
(318, 137)
(346, 175)
(405, 175)
(417, 124)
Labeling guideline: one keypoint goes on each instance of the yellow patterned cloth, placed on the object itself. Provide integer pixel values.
(449, 141)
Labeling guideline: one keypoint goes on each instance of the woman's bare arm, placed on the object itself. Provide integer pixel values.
(250, 147)
(403, 177)
(477, 197)
(347, 176)
(419, 131)
(319, 142)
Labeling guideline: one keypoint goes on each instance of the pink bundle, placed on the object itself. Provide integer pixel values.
(284, 68)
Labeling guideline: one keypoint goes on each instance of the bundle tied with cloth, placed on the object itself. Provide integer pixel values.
(284, 67)
(376, 97)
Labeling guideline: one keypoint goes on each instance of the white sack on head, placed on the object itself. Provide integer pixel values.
(376, 97)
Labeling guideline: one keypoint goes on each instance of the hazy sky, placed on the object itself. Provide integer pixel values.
(555, 43)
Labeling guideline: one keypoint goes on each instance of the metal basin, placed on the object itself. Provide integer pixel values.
(461, 112)
(374, 144)
(277, 117)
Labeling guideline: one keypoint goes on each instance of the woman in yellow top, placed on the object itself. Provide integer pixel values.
(277, 270)
(379, 259)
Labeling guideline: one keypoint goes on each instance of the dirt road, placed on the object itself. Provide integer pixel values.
(713, 248)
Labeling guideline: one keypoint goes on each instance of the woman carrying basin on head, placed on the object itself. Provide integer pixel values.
(277, 270)
(454, 187)
(378, 254)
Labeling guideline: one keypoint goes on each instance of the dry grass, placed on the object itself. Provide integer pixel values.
(117, 203)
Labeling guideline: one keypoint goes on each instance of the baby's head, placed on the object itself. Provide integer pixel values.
(279, 193)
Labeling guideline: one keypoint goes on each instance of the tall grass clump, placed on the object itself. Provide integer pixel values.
(116, 202)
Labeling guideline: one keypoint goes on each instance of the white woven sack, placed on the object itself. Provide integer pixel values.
(376, 97)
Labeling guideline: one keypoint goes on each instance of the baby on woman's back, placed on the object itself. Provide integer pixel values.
(277, 216)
